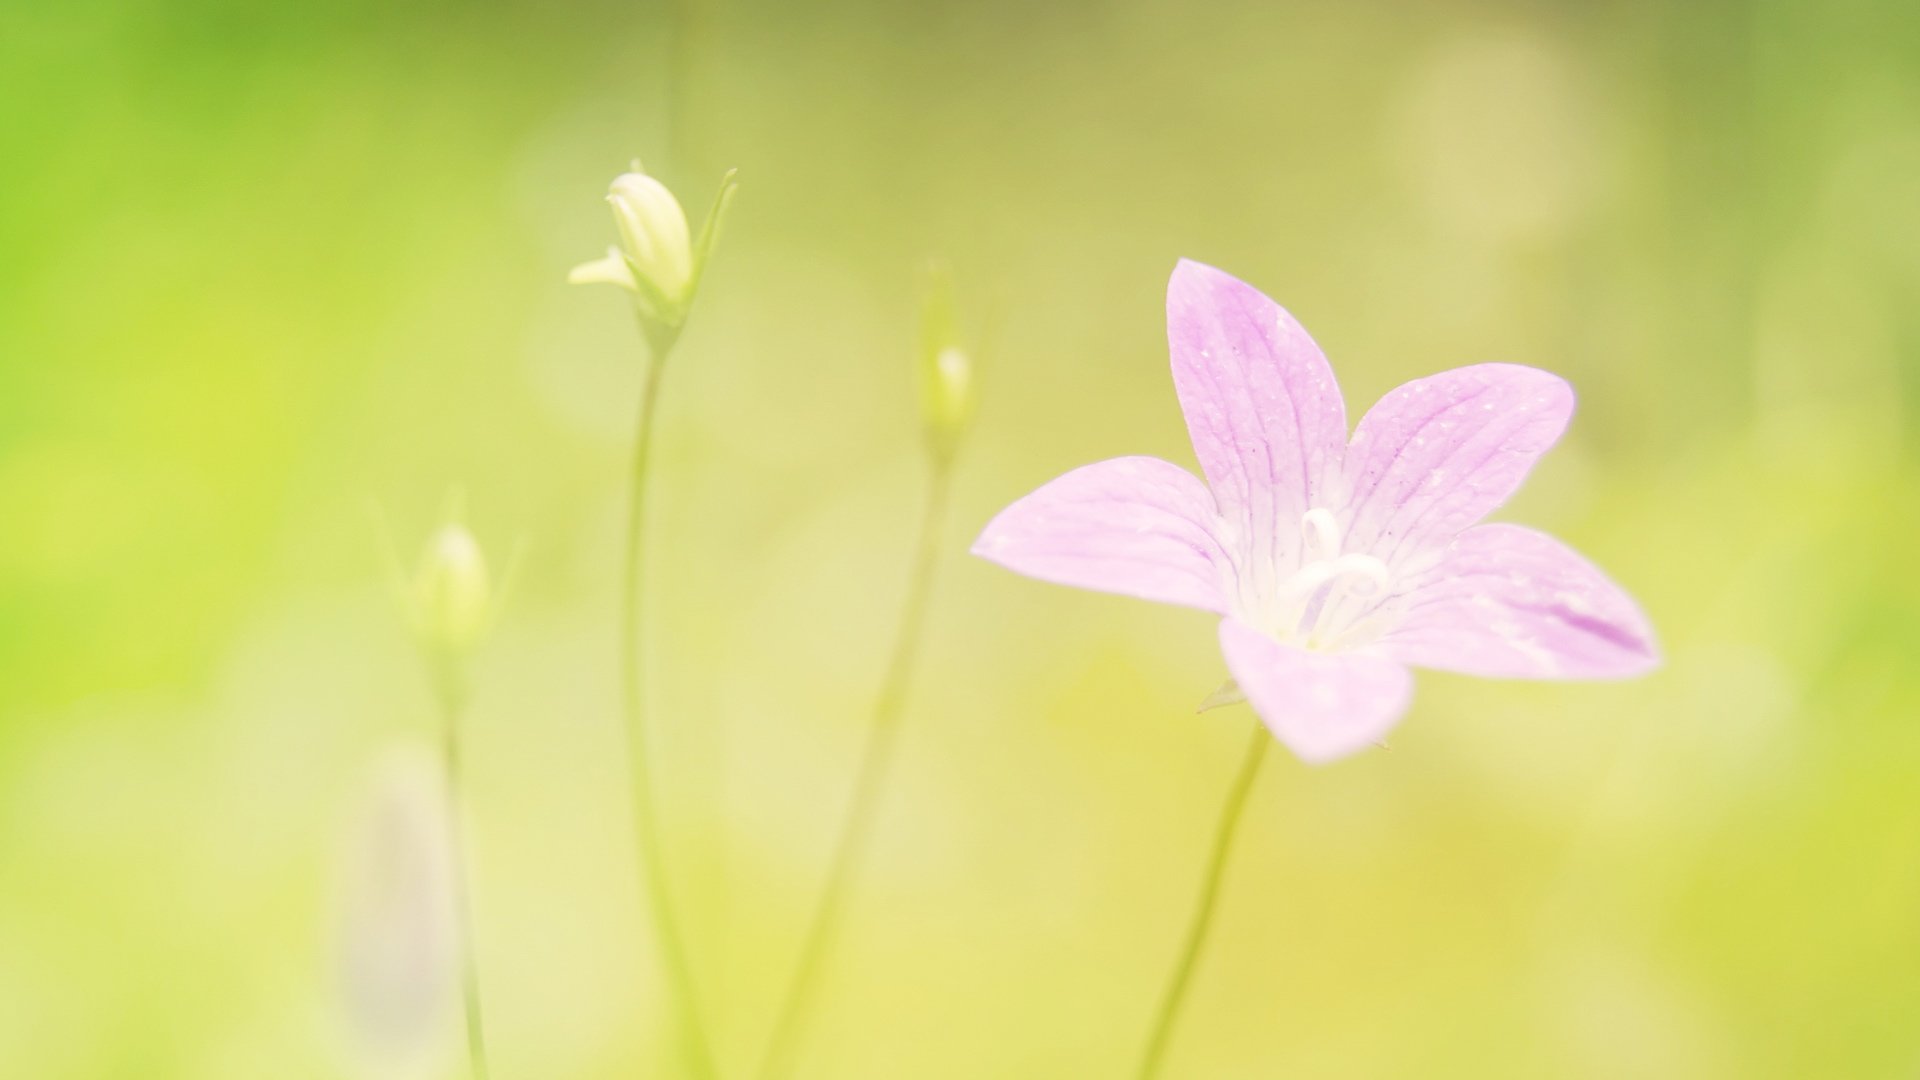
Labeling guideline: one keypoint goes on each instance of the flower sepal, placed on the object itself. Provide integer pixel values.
(1228, 693)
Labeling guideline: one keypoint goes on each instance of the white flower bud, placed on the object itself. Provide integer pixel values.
(452, 592)
(396, 939)
(653, 230)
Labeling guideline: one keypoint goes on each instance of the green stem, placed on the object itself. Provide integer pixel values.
(1209, 894)
(856, 827)
(451, 704)
(646, 825)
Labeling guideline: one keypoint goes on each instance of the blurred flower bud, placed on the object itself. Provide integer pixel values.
(949, 395)
(653, 229)
(452, 595)
(946, 370)
(395, 935)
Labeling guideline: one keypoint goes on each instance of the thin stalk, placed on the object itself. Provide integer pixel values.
(451, 707)
(646, 825)
(1209, 895)
(856, 828)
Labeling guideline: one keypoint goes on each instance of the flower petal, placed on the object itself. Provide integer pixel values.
(609, 270)
(1508, 602)
(1322, 705)
(1138, 526)
(1263, 409)
(1438, 454)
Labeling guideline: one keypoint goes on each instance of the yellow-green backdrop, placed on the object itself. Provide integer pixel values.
(264, 266)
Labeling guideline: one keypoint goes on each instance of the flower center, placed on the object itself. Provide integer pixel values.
(1331, 601)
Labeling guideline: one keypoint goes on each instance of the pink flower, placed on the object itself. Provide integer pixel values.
(1337, 563)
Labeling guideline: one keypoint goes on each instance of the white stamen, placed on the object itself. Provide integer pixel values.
(1370, 569)
(1326, 603)
(1371, 575)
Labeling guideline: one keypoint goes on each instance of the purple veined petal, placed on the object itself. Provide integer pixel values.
(1138, 526)
(1438, 454)
(1322, 705)
(1263, 409)
(1512, 603)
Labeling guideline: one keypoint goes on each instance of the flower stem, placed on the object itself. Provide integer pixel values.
(451, 707)
(1209, 895)
(646, 825)
(856, 827)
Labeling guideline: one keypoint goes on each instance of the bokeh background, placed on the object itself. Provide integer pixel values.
(265, 266)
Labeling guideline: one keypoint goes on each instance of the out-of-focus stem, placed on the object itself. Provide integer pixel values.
(452, 702)
(856, 828)
(646, 825)
(1176, 991)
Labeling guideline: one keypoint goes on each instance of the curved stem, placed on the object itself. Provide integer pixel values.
(1209, 895)
(856, 829)
(451, 705)
(646, 826)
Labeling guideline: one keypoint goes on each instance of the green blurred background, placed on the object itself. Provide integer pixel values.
(263, 266)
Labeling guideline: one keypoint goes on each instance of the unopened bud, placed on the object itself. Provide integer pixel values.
(653, 230)
(656, 261)
(396, 939)
(949, 397)
(947, 392)
(452, 593)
